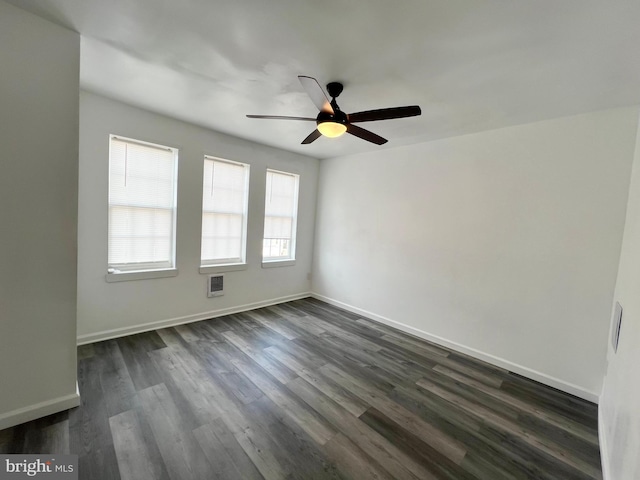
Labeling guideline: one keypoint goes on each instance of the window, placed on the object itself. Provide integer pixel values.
(225, 195)
(281, 209)
(142, 206)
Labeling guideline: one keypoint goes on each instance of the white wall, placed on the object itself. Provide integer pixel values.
(39, 89)
(620, 401)
(503, 243)
(108, 309)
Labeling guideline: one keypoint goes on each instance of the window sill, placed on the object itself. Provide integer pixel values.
(140, 275)
(229, 267)
(278, 263)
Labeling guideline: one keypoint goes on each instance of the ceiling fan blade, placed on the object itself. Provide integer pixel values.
(280, 117)
(313, 136)
(366, 134)
(385, 114)
(316, 93)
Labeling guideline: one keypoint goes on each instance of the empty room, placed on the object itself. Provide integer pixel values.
(319, 240)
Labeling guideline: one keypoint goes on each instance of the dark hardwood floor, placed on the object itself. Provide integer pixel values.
(304, 390)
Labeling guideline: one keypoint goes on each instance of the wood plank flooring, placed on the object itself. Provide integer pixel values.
(304, 390)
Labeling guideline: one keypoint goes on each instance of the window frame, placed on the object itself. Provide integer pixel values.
(230, 264)
(269, 262)
(117, 272)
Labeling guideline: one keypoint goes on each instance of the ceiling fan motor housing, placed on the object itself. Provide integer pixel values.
(338, 116)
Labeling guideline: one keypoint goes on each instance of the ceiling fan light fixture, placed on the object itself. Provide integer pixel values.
(332, 129)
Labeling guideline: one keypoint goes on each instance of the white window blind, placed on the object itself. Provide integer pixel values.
(281, 208)
(225, 194)
(142, 205)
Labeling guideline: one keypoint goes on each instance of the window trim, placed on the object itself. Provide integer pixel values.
(227, 267)
(271, 262)
(119, 276)
(278, 263)
(230, 264)
(145, 270)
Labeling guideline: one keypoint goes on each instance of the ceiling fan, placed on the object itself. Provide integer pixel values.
(333, 122)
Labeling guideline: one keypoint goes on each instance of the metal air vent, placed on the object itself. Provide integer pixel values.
(215, 285)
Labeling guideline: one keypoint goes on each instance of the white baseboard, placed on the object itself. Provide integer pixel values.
(38, 410)
(472, 352)
(172, 322)
(604, 449)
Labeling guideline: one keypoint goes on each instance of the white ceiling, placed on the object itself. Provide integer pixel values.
(470, 65)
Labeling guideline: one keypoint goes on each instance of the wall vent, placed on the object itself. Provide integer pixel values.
(617, 322)
(215, 285)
